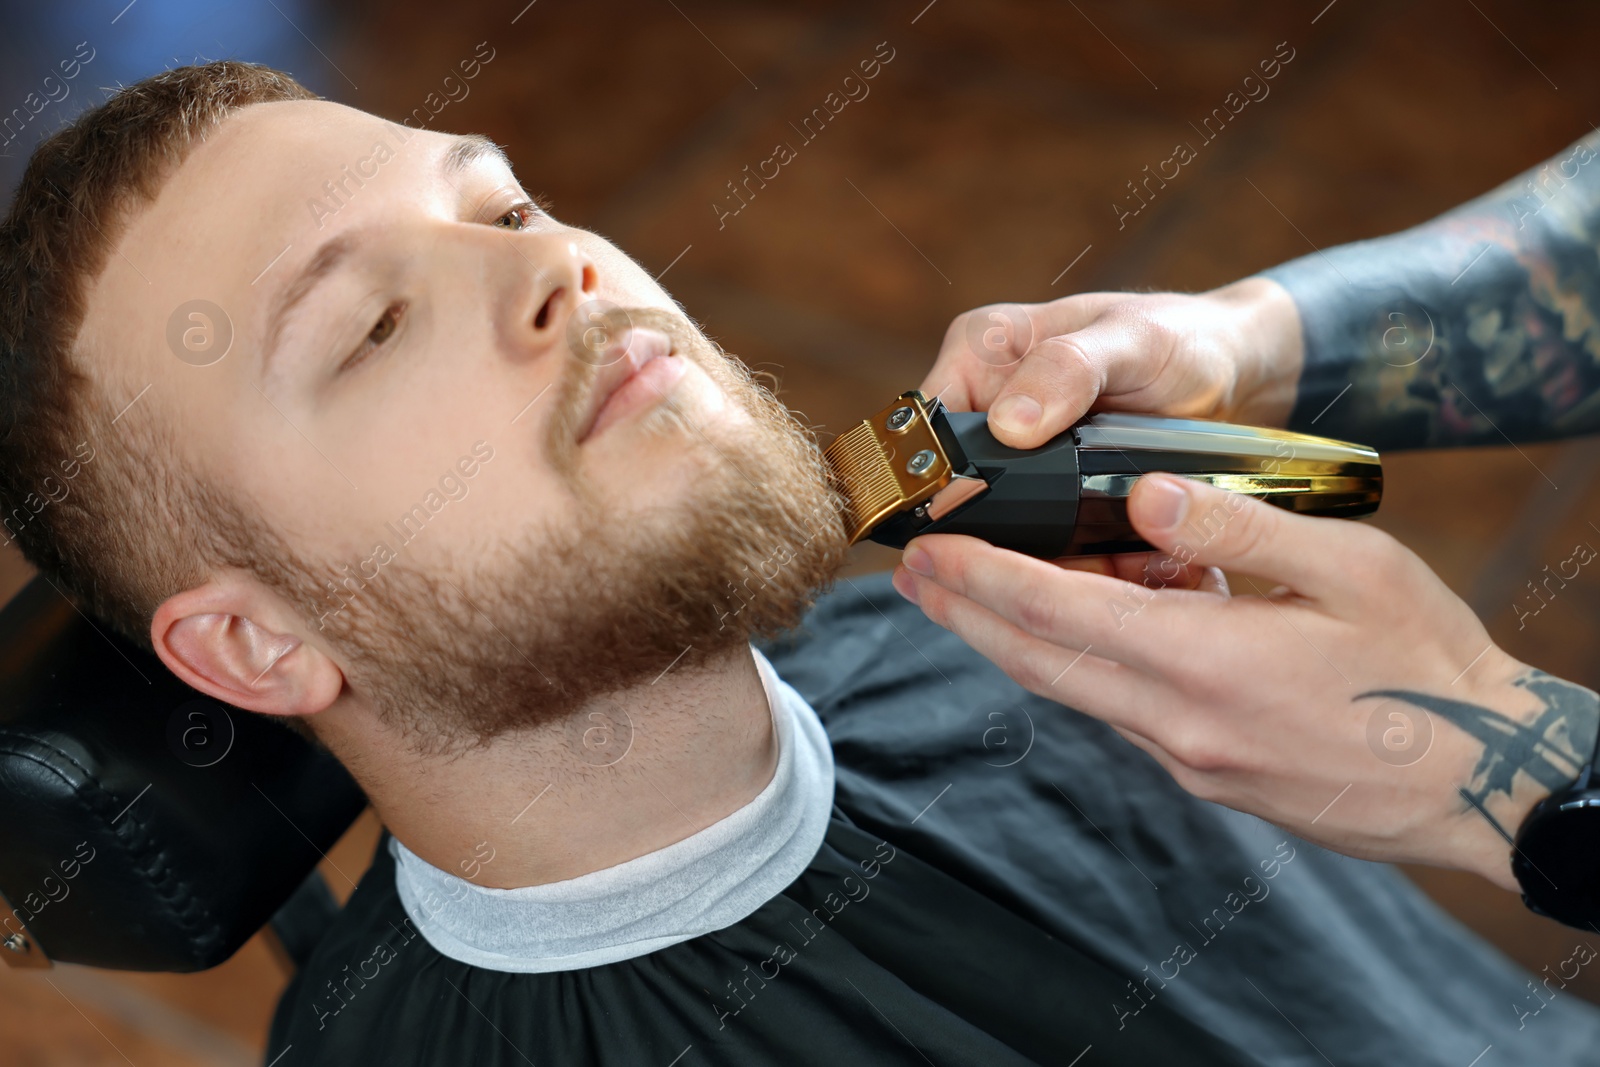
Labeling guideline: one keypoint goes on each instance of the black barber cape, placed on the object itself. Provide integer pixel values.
(1004, 882)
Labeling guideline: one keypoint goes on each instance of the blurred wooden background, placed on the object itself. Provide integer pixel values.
(981, 166)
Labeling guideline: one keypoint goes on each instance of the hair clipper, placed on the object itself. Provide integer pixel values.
(916, 468)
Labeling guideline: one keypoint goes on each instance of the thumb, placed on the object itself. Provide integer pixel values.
(1197, 523)
(1052, 389)
(1062, 376)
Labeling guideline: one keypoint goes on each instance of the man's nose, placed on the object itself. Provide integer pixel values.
(556, 280)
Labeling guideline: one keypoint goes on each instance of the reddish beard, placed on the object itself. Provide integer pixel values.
(537, 629)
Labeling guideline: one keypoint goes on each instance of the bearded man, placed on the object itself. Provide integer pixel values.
(385, 451)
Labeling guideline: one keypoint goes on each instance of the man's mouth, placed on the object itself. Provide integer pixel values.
(636, 379)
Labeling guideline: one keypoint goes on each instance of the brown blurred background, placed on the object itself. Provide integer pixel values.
(981, 167)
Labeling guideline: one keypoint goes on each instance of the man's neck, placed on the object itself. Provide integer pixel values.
(632, 773)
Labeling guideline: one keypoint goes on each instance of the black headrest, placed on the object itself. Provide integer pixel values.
(143, 826)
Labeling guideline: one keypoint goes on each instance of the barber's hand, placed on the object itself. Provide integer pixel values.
(1266, 702)
(1232, 354)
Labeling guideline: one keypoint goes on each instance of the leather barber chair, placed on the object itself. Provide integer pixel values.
(143, 826)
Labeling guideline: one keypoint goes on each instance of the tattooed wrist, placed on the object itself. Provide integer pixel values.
(1480, 327)
(1524, 755)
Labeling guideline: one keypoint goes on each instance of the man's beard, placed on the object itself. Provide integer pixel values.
(537, 628)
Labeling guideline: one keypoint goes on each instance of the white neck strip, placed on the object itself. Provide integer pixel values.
(705, 882)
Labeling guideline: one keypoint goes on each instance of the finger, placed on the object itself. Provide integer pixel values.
(1155, 570)
(983, 347)
(1061, 377)
(976, 357)
(1158, 570)
(1073, 609)
(1199, 523)
(1106, 565)
(1074, 677)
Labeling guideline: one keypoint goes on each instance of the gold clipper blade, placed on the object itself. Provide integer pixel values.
(890, 462)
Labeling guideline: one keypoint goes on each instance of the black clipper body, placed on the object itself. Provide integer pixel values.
(916, 468)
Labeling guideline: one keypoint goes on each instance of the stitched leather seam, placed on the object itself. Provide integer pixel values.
(183, 907)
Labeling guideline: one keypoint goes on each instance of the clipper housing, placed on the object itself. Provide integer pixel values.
(917, 468)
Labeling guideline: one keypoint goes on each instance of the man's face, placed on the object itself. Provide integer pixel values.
(410, 408)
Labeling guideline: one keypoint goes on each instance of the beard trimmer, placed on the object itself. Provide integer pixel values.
(916, 468)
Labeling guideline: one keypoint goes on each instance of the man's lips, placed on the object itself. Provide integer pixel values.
(641, 367)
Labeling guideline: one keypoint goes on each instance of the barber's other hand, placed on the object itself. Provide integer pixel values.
(1232, 354)
(1265, 702)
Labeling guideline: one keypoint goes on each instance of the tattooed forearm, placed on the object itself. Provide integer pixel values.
(1547, 747)
(1479, 327)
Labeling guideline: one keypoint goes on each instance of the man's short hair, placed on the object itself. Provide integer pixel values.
(98, 502)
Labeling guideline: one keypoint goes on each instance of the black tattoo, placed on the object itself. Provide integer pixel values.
(1550, 749)
(1476, 804)
(1479, 327)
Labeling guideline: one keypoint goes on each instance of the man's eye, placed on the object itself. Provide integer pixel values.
(385, 328)
(520, 214)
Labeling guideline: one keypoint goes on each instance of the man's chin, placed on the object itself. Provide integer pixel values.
(525, 642)
(712, 531)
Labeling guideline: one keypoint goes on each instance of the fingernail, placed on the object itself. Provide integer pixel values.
(1017, 413)
(1168, 503)
(905, 585)
(917, 560)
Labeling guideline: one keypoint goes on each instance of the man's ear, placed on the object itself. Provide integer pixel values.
(232, 640)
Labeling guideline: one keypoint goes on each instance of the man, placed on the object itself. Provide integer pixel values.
(382, 449)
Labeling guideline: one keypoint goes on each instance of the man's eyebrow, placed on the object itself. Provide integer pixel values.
(468, 149)
(318, 267)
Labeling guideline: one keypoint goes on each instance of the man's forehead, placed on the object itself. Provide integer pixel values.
(288, 152)
(295, 150)
(309, 125)
(252, 198)
(267, 178)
